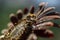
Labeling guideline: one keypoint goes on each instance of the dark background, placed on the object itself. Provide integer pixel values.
(11, 6)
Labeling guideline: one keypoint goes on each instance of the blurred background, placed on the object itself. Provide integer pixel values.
(11, 6)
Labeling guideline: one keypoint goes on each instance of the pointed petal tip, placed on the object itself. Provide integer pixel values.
(4, 31)
(43, 3)
(53, 7)
(12, 14)
(19, 11)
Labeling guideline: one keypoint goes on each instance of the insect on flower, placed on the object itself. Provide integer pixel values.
(28, 24)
